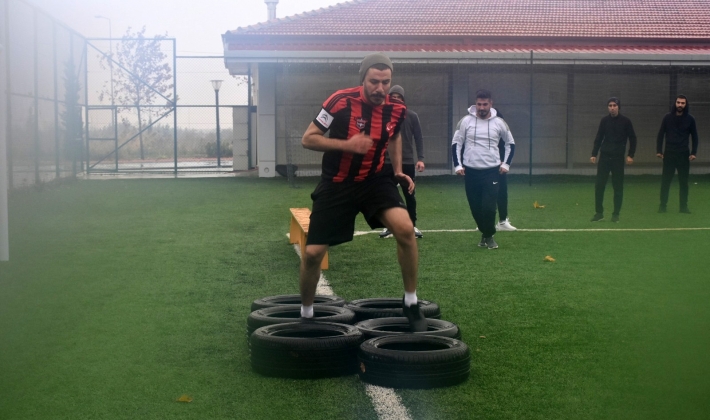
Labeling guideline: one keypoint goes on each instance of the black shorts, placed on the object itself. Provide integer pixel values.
(335, 207)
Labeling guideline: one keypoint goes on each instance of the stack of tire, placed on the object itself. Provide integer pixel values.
(379, 347)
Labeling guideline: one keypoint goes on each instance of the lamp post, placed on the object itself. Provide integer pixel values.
(110, 52)
(216, 84)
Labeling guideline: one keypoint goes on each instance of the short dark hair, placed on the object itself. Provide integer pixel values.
(682, 97)
(484, 94)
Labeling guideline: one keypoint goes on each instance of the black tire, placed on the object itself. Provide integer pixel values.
(414, 361)
(379, 327)
(292, 313)
(305, 350)
(278, 300)
(388, 307)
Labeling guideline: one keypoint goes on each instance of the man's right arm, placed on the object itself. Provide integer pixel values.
(457, 146)
(659, 138)
(313, 139)
(598, 141)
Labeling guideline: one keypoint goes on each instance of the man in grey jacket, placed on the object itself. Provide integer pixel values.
(411, 134)
(476, 156)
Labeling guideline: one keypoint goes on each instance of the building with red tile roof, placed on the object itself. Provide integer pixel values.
(587, 48)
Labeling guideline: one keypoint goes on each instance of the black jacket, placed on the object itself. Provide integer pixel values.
(676, 129)
(612, 135)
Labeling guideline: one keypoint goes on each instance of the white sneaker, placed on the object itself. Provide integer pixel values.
(417, 233)
(506, 226)
(385, 233)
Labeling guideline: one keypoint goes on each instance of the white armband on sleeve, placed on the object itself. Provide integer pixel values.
(324, 119)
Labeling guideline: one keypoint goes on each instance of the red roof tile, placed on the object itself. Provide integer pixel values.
(488, 48)
(620, 19)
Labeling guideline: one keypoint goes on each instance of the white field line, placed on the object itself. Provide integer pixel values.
(366, 232)
(386, 402)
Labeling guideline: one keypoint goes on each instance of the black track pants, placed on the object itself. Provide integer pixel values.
(615, 165)
(482, 194)
(673, 161)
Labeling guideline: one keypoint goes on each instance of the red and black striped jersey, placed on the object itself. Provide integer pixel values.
(346, 113)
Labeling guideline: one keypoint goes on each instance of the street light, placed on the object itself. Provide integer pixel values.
(110, 50)
(216, 84)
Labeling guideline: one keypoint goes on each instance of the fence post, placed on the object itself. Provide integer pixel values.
(531, 118)
(175, 98)
(4, 169)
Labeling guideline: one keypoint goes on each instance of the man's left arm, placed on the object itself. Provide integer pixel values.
(632, 144)
(694, 137)
(394, 148)
(418, 142)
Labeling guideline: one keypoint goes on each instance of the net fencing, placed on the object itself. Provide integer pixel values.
(76, 105)
(553, 109)
(43, 69)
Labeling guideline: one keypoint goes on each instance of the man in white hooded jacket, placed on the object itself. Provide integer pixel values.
(476, 156)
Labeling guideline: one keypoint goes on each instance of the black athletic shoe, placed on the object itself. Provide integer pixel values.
(662, 209)
(685, 210)
(615, 218)
(598, 217)
(491, 244)
(483, 243)
(417, 320)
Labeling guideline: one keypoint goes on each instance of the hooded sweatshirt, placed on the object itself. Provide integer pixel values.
(676, 129)
(475, 142)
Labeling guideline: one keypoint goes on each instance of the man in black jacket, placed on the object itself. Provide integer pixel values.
(610, 143)
(676, 127)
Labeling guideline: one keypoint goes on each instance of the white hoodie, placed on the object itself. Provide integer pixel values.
(477, 139)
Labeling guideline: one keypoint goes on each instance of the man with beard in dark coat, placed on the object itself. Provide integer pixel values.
(677, 126)
(615, 130)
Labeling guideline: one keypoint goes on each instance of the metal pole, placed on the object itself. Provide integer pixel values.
(87, 158)
(249, 110)
(219, 147)
(531, 118)
(35, 106)
(4, 169)
(56, 100)
(6, 149)
(175, 98)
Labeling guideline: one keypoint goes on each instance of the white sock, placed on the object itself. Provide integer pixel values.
(307, 311)
(410, 298)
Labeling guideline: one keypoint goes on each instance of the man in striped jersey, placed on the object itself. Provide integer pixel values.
(363, 123)
(476, 156)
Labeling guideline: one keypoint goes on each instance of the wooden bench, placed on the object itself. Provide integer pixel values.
(298, 231)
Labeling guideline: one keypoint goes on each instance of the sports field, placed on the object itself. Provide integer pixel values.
(121, 296)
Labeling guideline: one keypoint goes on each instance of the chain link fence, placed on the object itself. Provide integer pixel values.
(552, 109)
(44, 62)
(76, 105)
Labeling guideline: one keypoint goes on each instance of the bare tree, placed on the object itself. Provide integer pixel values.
(142, 76)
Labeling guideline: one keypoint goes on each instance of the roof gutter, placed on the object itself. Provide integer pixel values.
(237, 59)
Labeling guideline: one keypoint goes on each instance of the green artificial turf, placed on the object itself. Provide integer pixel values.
(120, 296)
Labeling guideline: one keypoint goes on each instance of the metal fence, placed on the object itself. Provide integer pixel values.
(553, 109)
(71, 110)
(43, 59)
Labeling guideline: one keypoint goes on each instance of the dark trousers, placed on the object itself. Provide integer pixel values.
(502, 196)
(409, 199)
(673, 161)
(615, 165)
(482, 195)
